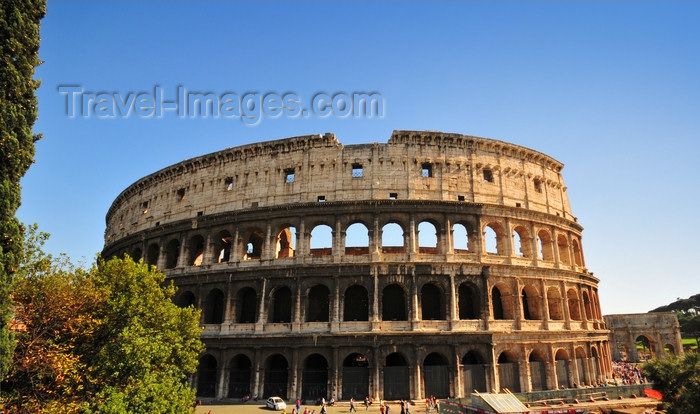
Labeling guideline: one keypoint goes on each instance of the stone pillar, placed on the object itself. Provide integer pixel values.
(335, 383)
(452, 316)
(517, 296)
(418, 376)
(302, 250)
(377, 371)
(375, 241)
(524, 368)
(415, 320)
(220, 379)
(230, 305)
(458, 390)
(545, 305)
(235, 255)
(335, 315)
(267, 249)
(508, 239)
(376, 326)
(262, 316)
(257, 370)
(298, 299)
(182, 256)
(533, 245)
(447, 240)
(565, 305)
(294, 386)
(411, 242)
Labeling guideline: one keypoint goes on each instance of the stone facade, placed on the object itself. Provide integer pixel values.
(660, 329)
(433, 264)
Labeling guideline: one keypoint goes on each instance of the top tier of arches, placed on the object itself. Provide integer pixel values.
(394, 233)
(412, 166)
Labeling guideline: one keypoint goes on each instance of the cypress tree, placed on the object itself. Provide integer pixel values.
(19, 56)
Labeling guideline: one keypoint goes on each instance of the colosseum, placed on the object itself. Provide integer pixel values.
(434, 264)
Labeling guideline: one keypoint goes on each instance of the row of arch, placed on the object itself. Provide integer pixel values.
(497, 237)
(316, 303)
(395, 376)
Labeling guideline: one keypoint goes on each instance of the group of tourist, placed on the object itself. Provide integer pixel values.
(431, 403)
(625, 373)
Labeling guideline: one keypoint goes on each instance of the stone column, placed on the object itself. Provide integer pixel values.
(298, 299)
(376, 326)
(220, 379)
(230, 305)
(267, 249)
(235, 255)
(257, 390)
(377, 371)
(335, 316)
(565, 305)
(294, 372)
(335, 383)
(452, 316)
(262, 316)
(182, 256)
(458, 390)
(545, 305)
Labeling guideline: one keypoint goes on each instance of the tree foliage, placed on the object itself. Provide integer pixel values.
(19, 55)
(678, 379)
(107, 339)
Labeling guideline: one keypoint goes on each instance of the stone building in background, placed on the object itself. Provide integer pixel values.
(434, 264)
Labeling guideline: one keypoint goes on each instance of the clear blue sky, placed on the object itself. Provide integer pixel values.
(611, 89)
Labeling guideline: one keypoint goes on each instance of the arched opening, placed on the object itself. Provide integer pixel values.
(508, 371)
(436, 376)
(136, 254)
(281, 305)
(493, 236)
(206, 377)
(195, 251)
(587, 305)
(578, 255)
(394, 303)
(356, 240)
(254, 245)
(185, 298)
(356, 304)
(246, 305)
(521, 242)
(172, 253)
(581, 367)
(669, 349)
(152, 254)
(538, 371)
(562, 368)
(427, 238)
(214, 307)
(545, 245)
(314, 382)
(460, 238)
(431, 303)
(392, 238)
(321, 241)
(574, 304)
(501, 302)
(563, 245)
(222, 249)
(596, 367)
(474, 373)
(355, 376)
(286, 240)
(554, 303)
(396, 380)
(468, 301)
(276, 374)
(531, 303)
(645, 348)
(239, 377)
(317, 307)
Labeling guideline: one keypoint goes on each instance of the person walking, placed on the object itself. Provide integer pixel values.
(352, 405)
(366, 403)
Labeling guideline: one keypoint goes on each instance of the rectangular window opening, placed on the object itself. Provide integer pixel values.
(181, 194)
(488, 176)
(427, 169)
(393, 196)
(460, 198)
(200, 213)
(321, 199)
(229, 183)
(357, 171)
(145, 207)
(517, 204)
(538, 185)
(289, 175)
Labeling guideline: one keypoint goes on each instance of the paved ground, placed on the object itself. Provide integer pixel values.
(259, 408)
(627, 405)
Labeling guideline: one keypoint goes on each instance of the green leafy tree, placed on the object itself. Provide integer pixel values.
(678, 379)
(19, 55)
(108, 339)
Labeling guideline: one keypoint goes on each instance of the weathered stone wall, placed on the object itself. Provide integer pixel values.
(661, 329)
(235, 232)
(255, 175)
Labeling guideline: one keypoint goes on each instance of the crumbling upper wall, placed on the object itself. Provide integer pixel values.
(413, 165)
